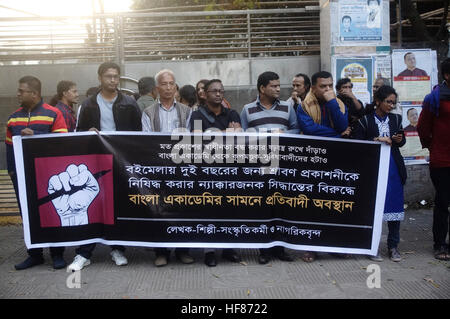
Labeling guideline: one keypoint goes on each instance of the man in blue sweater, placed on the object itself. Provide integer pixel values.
(322, 114)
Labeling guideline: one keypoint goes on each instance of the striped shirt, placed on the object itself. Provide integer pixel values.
(281, 116)
(68, 114)
(42, 119)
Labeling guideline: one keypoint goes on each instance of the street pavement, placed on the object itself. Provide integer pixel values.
(417, 276)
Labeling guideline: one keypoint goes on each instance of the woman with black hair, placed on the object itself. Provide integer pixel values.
(188, 96)
(386, 127)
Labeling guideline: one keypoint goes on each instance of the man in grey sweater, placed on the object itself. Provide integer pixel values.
(165, 116)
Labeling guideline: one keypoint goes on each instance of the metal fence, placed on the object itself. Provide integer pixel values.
(160, 36)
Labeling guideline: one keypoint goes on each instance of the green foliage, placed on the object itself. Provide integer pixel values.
(244, 4)
(210, 5)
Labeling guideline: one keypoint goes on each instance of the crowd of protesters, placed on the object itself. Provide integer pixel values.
(314, 108)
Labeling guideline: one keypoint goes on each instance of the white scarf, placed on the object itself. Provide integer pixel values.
(383, 126)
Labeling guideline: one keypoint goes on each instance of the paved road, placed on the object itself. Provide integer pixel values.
(418, 275)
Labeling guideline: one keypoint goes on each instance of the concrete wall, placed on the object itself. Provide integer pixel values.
(418, 186)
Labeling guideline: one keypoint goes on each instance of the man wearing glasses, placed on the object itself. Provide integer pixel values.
(107, 110)
(212, 115)
(33, 117)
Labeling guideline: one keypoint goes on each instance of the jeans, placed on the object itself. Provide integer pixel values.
(86, 250)
(393, 234)
(441, 221)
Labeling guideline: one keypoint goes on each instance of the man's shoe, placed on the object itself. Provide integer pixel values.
(184, 257)
(376, 258)
(161, 260)
(231, 255)
(58, 262)
(394, 255)
(210, 259)
(118, 257)
(309, 256)
(263, 259)
(79, 262)
(29, 262)
(441, 253)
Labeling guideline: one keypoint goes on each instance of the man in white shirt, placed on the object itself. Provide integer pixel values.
(166, 114)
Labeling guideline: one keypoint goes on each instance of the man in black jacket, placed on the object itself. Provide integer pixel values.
(108, 110)
(213, 115)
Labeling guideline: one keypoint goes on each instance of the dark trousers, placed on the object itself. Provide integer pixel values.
(38, 252)
(166, 252)
(393, 234)
(34, 252)
(271, 251)
(86, 250)
(441, 221)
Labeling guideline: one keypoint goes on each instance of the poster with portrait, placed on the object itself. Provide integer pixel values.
(412, 151)
(383, 67)
(360, 20)
(414, 72)
(411, 70)
(360, 71)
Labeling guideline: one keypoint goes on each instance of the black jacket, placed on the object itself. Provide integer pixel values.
(367, 129)
(127, 115)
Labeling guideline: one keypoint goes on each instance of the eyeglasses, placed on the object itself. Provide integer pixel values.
(376, 86)
(216, 91)
(390, 102)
